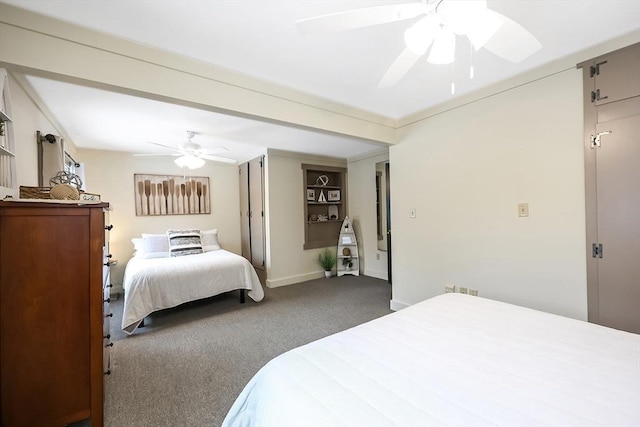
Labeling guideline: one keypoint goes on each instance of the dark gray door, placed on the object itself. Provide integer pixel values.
(612, 183)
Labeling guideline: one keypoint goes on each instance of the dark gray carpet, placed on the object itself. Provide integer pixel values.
(188, 364)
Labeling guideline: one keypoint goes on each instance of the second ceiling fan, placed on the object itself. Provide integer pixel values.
(191, 155)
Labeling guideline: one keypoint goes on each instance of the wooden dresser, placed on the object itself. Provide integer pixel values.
(54, 300)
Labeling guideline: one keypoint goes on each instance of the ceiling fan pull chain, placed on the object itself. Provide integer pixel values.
(471, 61)
(453, 82)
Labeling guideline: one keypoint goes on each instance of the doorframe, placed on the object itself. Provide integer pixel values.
(388, 207)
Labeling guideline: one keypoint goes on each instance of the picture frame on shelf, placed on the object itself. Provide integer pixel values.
(333, 195)
(311, 195)
(90, 197)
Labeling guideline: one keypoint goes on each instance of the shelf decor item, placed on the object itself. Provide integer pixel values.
(322, 180)
(311, 195)
(348, 250)
(333, 195)
(333, 212)
(321, 198)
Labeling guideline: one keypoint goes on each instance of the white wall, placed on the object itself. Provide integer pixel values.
(110, 174)
(362, 211)
(286, 260)
(465, 171)
(27, 119)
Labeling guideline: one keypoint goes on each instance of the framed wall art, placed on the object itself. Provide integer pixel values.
(333, 195)
(171, 195)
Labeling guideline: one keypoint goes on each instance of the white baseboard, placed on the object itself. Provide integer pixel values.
(291, 280)
(396, 305)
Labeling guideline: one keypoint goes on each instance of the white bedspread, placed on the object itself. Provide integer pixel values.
(452, 360)
(159, 283)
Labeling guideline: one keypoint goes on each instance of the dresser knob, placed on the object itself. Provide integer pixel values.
(108, 227)
(110, 285)
(107, 300)
(107, 264)
(109, 345)
(109, 256)
(108, 372)
(109, 315)
(107, 336)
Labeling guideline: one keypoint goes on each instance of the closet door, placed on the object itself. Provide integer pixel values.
(245, 231)
(612, 187)
(618, 219)
(256, 204)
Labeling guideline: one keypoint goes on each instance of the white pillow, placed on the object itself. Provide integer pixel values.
(210, 240)
(184, 242)
(152, 255)
(137, 245)
(154, 243)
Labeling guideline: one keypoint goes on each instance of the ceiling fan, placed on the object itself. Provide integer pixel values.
(439, 24)
(191, 155)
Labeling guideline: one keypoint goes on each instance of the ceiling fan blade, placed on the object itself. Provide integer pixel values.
(166, 146)
(217, 158)
(399, 68)
(512, 41)
(359, 18)
(149, 155)
(214, 150)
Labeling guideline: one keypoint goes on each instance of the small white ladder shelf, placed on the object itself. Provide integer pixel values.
(348, 260)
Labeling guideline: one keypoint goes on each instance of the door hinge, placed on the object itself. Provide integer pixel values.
(596, 250)
(595, 96)
(594, 70)
(595, 139)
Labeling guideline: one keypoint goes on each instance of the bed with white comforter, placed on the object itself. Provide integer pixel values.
(159, 283)
(453, 360)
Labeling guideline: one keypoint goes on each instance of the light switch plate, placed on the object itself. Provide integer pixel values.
(523, 209)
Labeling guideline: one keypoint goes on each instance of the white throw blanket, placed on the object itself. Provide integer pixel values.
(159, 283)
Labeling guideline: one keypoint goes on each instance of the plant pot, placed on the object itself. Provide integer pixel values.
(327, 274)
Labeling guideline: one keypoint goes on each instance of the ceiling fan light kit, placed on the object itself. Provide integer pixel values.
(189, 161)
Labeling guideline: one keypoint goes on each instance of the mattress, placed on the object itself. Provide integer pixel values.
(452, 360)
(158, 283)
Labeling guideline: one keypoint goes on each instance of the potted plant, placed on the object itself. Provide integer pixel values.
(327, 260)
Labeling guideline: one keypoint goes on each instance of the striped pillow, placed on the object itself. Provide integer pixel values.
(184, 242)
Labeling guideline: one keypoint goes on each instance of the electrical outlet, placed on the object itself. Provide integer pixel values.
(463, 290)
(449, 288)
(473, 292)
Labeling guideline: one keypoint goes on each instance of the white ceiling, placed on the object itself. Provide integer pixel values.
(259, 38)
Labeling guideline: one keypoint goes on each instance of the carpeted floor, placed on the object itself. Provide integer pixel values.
(188, 364)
